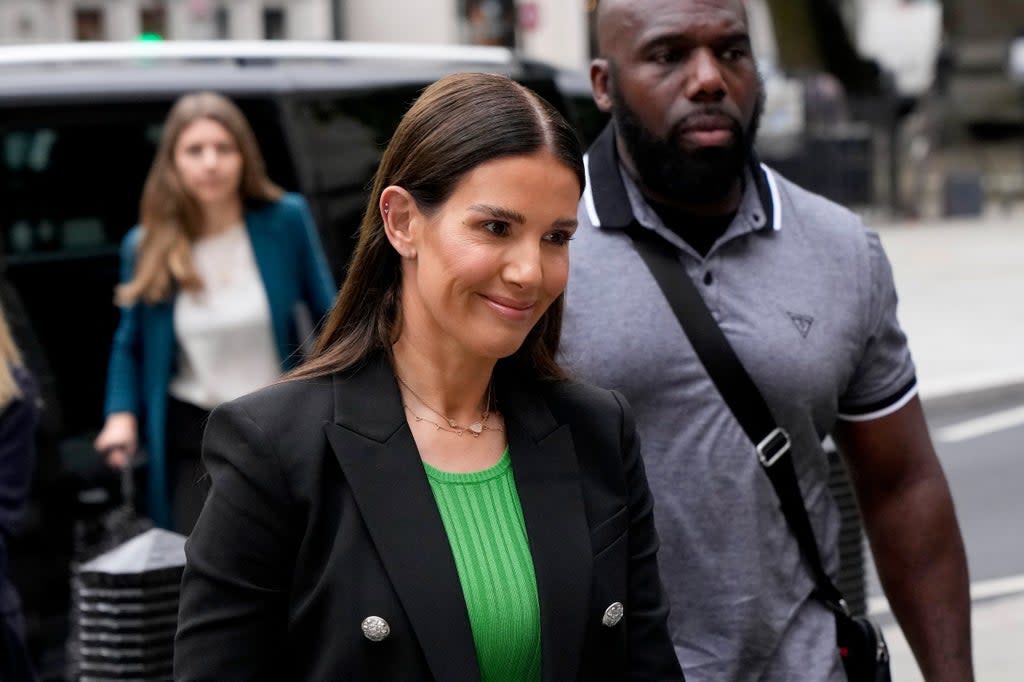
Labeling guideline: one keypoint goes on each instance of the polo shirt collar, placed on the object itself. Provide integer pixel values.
(608, 201)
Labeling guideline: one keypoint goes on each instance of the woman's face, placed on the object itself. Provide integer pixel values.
(492, 258)
(208, 162)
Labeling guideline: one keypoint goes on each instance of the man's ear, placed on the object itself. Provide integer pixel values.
(398, 210)
(599, 76)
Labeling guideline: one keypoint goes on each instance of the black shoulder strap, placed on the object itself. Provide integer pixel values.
(739, 392)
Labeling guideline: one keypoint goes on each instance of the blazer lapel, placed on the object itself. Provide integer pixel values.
(378, 456)
(547, 478)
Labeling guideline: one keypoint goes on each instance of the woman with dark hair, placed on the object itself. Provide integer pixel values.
(210, 280)
(429, 497)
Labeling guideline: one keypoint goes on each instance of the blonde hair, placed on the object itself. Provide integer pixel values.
(170, 216)
(10, 357)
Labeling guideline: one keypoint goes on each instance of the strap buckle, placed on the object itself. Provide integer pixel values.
(774, 446)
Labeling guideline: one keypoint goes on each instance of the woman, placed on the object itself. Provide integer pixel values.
(210, 281)
(429, 497)
(19, 410)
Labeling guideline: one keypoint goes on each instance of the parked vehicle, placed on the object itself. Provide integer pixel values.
(79, 126)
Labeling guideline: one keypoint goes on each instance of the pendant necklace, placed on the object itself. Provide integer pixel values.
(474, 429)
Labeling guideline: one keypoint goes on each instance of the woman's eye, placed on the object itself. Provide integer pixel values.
(559, 237)
(498, 227)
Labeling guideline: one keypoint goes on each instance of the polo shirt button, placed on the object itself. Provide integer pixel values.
(757, 217)
(708, 279)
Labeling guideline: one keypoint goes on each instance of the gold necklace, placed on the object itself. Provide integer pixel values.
(474, 429)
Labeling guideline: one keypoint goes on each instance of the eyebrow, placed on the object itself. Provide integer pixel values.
(499, 212)
(517, 217)
(730, 38)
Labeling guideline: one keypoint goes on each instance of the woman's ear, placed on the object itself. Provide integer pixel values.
(398, 210)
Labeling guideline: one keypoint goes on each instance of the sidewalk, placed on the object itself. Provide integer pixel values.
(997, 636)
(961, 288)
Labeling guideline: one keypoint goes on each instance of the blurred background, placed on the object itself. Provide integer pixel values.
(915, 95)
(910, 112)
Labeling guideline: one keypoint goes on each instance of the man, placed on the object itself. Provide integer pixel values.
(805, 296)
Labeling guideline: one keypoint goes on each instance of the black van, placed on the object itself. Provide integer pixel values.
(79, 126)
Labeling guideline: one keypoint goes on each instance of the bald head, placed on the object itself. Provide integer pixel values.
(617, 19)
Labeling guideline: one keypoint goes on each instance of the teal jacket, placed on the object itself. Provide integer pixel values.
(294, 270)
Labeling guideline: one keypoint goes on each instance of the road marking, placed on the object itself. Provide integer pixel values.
(986, 589)
(981, 426)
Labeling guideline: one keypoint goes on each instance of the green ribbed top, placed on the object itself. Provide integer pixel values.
(487, 533)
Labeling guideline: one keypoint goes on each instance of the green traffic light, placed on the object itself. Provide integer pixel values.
(150, 37)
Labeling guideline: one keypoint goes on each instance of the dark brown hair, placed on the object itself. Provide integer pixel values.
(170, 216)
(455, 125)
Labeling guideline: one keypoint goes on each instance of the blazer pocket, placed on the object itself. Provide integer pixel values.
(608, 531)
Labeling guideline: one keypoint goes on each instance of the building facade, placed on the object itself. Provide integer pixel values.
(555, 31)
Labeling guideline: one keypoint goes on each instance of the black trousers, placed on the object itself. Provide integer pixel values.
(186, 477)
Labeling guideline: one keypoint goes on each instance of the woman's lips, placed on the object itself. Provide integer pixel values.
(510, 308)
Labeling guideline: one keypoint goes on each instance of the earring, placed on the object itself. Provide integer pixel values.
(386, 209)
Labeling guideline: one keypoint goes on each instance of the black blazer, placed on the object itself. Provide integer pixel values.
(320, 515)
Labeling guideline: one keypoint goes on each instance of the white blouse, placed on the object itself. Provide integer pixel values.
(225, 340)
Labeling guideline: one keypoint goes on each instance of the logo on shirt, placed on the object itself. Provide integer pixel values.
(801, 322)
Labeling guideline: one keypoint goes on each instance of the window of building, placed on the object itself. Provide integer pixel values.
(89, 24)
(273, 23)
(222, 22)
(153, 20)
(489, 22)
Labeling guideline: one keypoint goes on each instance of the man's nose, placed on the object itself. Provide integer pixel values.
(704, 81)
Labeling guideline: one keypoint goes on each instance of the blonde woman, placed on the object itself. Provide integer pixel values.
(211, 278)
(19, 410)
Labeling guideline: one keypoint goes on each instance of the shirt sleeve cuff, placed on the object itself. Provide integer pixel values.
(881, 408)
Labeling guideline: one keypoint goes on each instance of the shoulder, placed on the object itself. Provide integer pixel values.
(130, 241)
(823, 224)
(803, 204)
(290, 204)
(284, 400)
(282, 410)
(585, 404)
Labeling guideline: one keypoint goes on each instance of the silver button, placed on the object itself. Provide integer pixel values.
(376, 629)
(612, 614)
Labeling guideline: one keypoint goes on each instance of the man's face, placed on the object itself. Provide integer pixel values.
(682, 85)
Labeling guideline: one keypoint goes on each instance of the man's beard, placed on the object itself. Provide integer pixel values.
(675, 174)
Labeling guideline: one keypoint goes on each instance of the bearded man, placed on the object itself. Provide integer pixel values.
(804, 294)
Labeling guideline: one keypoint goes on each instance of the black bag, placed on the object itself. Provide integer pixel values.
(860, 642)
(862, 648)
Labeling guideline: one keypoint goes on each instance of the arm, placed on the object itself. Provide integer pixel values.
(911, 525)
(119, 437)
(318, 288)
(651, 654)
(233, 610)
(126, 349)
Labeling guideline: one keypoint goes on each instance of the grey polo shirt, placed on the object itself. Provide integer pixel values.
(805, 295)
